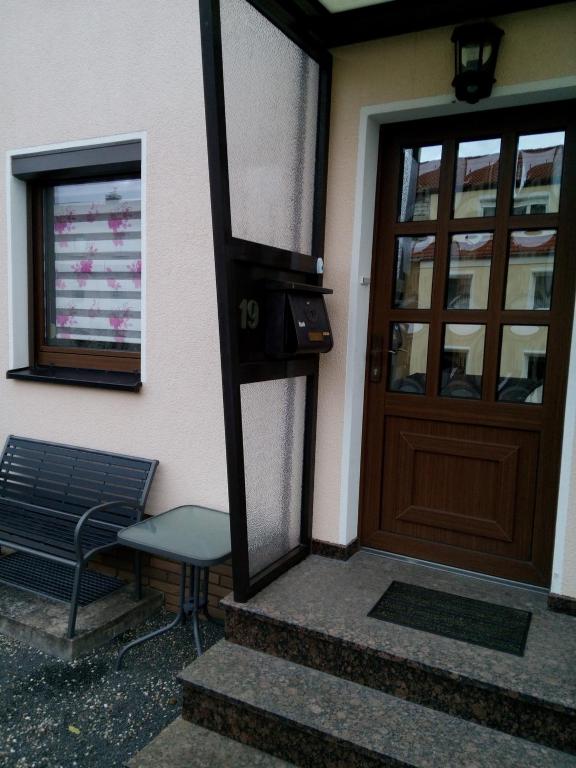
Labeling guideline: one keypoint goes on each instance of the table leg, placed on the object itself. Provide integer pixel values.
(195, 606)
(180, 618)
(190, 603)
(206, 584)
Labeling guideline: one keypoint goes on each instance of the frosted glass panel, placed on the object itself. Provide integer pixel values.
(273, 430)
(271, 99)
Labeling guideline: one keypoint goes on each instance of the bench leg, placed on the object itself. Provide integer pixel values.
(137, 575)
(74, 602)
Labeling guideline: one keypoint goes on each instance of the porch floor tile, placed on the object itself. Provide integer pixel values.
(333, 598)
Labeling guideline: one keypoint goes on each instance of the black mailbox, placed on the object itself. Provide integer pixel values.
(296, 319)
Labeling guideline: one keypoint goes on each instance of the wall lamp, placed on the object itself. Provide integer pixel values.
(475, 51)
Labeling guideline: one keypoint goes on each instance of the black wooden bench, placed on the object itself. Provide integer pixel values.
(66, 504)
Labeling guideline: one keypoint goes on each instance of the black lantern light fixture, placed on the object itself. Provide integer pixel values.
(475, 49)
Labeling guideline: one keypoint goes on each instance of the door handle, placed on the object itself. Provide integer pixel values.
(376, 349)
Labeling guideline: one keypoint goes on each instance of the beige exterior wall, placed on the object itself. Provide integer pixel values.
(72, 71)
(538, 45)
(122, 66)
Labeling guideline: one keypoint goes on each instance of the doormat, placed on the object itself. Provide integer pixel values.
(55, 580)
(460, 618)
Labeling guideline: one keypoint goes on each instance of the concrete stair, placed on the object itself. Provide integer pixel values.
(317, 615)
(185, 745)
(312, 718)
(306, 678)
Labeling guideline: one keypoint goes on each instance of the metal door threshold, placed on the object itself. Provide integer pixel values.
(457, 571)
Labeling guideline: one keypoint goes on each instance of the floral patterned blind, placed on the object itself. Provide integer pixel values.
(94, 265)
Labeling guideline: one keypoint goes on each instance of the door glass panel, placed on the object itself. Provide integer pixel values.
(538, 173)
(408, 355)
(522, 363)
(462, 361)
(271, 98)
(469, 273)
(414, 265)
(477, 168)
(420, 177)
(530, 269)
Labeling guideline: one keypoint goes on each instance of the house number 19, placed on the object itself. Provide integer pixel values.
(249, 314)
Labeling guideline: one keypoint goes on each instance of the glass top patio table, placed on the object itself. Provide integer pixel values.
(189, 534)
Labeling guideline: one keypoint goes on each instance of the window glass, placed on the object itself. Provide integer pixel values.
(522, 363)
(414, 269)
(538, 173)
(469, 273)
(530, 269)
(93, 265)
(462, 361)
(477, 170)
(420, 182)
(408, 354)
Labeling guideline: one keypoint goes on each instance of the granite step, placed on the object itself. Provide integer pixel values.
(185, 745)
(311, 718)
(316, 614)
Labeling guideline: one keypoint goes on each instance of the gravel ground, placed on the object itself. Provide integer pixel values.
(58, 714)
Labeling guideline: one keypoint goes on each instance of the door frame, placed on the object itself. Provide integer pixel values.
(371, 118)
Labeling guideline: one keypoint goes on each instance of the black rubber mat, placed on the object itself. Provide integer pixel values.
(44, 577)
(460, 618)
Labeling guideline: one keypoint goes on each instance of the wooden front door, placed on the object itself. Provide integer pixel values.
(471, 310)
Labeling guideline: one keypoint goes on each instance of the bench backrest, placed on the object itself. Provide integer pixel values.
(71, 480)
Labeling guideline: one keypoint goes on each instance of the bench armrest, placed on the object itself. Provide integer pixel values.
(100, 508)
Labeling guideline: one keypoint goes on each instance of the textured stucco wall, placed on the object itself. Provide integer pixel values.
(74, 70)
(539, 45)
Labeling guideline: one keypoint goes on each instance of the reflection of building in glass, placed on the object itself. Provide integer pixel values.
(522, 364)
(523, 349)
(537, 184)
(459, 290)
(530, 269)
(469, 271)
(529, 276)
(409, 352)
(462, 360)
(414, 267)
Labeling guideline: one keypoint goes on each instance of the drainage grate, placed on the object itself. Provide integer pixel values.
(45, 577)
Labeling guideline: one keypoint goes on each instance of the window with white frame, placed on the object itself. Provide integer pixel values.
(86, 255)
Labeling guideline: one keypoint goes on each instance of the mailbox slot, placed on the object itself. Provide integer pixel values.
(296, 320)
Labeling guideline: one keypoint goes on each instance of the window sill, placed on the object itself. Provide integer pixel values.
(80, 377)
